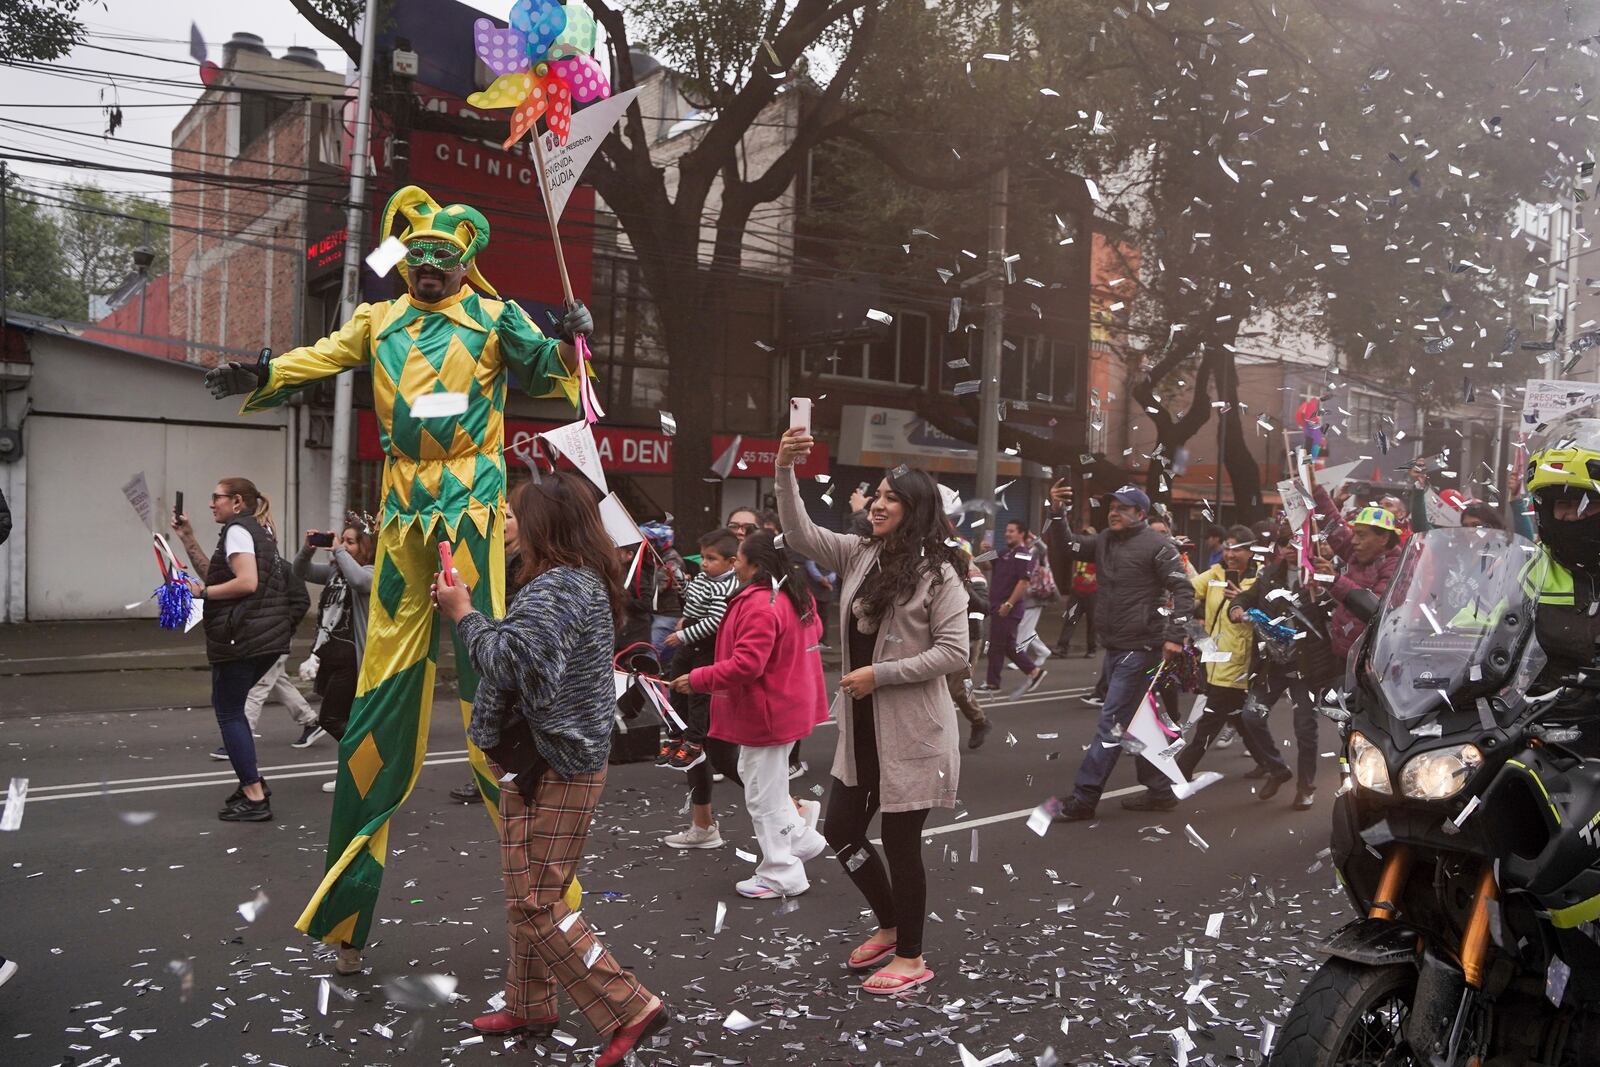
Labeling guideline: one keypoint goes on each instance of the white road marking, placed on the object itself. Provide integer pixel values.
(39, 794)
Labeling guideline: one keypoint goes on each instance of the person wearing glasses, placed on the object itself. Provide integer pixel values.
(742, 522)
(442, 357)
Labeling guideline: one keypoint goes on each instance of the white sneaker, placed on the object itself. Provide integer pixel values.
(798, 769)
(1225, 737)
(330, 785)
(695, 837)
(756, 889)
(811, 812)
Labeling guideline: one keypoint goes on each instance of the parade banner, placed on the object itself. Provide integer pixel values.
(1547, 399)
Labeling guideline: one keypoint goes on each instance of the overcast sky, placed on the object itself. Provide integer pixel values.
(161, 29)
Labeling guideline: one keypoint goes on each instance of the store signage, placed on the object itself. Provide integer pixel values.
(629, 449)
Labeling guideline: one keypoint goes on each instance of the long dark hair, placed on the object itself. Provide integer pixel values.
(558, 525)
(761, 551)
(921, 544)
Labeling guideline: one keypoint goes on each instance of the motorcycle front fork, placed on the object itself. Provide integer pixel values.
(1474, 942)
(1434, 1029)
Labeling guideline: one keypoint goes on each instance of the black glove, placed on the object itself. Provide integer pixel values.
(231, 379)
(577, 320)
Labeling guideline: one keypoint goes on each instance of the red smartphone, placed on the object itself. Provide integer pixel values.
(446, 563)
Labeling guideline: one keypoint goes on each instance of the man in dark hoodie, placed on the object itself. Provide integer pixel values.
(1138, 570)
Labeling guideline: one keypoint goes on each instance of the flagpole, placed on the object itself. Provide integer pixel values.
(549, 211)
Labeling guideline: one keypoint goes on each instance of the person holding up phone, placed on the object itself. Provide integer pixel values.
(249, 620)
(1228, 663)
(341, 618)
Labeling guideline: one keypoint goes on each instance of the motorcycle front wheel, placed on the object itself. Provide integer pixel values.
(1349, 1015)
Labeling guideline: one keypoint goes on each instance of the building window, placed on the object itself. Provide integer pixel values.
(1035, 370)
(898, 357)
(1369, 414)
(257, 112)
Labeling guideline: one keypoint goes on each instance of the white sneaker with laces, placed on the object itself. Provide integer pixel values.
(798, 769)
(695, 837)
(756, 889)
(1225, 737)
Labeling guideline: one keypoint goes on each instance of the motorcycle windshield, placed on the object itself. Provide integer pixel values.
(1455, 621)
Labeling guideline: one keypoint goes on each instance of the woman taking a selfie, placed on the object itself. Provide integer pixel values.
(543, 716)
(341, 618)
(903, 616)
(249, 618)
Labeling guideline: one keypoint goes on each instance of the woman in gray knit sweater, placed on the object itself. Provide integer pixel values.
(543, 715)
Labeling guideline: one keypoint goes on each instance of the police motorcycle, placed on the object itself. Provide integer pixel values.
(1467, 834)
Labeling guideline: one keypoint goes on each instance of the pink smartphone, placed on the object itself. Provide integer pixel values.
(447, 563)
(800, 414)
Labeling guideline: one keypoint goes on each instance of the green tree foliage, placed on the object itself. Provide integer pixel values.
(38, 277)
(39, 30)
(62, 252)
(1286, 172)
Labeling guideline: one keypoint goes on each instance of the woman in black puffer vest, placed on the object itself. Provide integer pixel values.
(252, 605)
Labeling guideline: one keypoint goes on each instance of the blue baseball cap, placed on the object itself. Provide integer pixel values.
(1134, 497)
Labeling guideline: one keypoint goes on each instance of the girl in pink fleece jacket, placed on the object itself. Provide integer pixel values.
(767, 692)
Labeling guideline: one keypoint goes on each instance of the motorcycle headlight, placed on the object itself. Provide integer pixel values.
(1368, 765)
(1440, 774)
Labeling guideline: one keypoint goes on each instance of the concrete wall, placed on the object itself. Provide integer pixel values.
(97, 417)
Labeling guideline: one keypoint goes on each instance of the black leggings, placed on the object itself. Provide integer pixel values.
(722, 757)
(898, 896)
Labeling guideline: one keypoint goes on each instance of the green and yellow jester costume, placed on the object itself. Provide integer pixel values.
(443, 480)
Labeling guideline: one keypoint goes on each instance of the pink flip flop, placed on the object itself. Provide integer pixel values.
(902, 983)
(859, 964)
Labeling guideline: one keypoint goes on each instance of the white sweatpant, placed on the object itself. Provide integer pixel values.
(1028, 641)
(783, 836)
(276, 684)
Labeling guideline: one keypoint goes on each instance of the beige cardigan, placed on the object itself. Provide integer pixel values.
(919, 643)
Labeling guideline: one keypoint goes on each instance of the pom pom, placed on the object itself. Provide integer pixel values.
(176, 602)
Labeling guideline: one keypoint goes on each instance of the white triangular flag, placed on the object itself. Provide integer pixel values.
(724, 464)
(576, 441)
(619, 524)
(589, 129)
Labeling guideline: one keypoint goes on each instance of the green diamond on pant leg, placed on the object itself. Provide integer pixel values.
(391, 586)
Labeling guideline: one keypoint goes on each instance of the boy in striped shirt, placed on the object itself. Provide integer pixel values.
(705, 601)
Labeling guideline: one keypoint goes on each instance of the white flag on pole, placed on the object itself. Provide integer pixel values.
(564, 164)
(575, 440)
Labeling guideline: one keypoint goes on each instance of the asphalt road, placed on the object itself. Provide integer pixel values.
(121, 902)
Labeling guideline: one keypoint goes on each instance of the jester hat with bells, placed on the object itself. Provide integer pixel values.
(460, 225)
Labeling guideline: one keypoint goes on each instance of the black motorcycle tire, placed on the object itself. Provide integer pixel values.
(1332, 1008)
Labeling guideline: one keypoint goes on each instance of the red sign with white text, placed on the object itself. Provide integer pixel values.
(630, 449)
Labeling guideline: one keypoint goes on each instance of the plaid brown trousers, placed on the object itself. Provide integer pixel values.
(540, 844)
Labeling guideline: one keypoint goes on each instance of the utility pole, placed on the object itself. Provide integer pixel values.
(350, 293)
(994, 318)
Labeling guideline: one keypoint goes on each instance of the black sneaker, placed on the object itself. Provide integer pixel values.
(1257, 772)
(686, 754)
(1148, 801)
(465, 793)
(238, 794)
(246, 810)
(669, 745)
(1075, 810)
(1035, 680)
(1270, 788)
(980, 733)
(308, 737)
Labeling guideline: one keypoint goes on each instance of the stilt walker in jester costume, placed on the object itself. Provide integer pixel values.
(443, 481)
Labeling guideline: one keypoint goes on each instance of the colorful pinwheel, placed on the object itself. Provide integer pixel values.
(542, 65)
